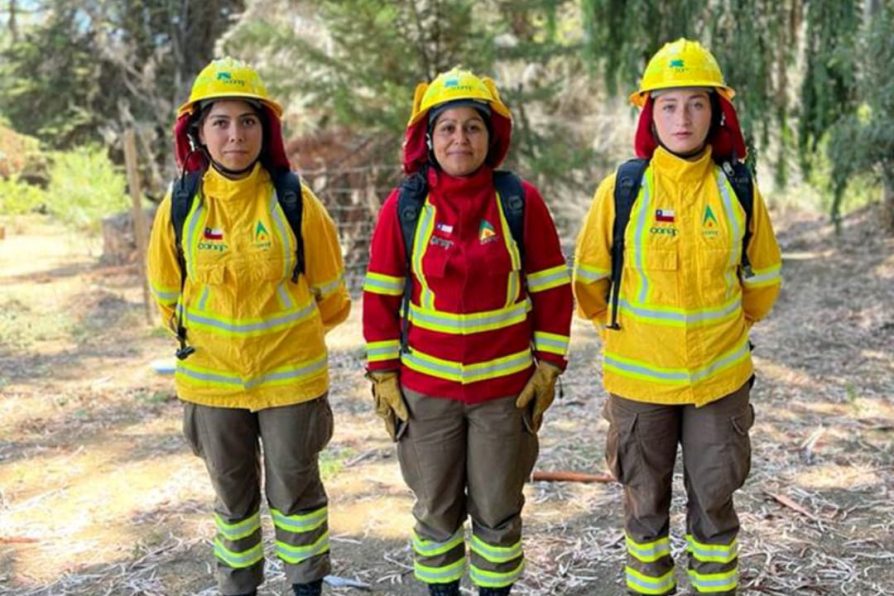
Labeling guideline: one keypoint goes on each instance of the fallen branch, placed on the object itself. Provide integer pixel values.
(782, 499)
(566, 476)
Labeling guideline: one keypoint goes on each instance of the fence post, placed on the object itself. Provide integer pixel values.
(137, 216)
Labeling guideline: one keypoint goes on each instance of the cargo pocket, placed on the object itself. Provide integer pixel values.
(621, 446)
(740, 444)
(190, 429)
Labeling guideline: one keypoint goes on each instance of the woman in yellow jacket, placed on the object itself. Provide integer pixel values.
(250, 301)
(677, 359)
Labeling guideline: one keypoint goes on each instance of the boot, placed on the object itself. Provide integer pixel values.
(451, 589)
(504, 591)
(314, 588)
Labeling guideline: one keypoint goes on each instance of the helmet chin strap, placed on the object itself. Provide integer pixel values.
(232, 173)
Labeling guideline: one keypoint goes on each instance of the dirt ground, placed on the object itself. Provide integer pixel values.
(99, 493)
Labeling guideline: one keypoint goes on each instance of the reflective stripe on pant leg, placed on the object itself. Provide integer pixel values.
(301, 536)
(440, 562)
(293, 437)
(227, 441)
(716, 457)
(431, 453)
(713, 567)
(238, 544)
(501, 455)
(495, 566)
(650, 566)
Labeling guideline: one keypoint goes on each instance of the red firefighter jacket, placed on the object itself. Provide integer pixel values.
(479, 317)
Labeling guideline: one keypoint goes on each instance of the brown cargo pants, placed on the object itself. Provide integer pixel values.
(229, 440)
(467, 460)
(641, 449)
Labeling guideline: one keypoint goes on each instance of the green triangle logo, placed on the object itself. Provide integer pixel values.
(709, 221)
(260, 231)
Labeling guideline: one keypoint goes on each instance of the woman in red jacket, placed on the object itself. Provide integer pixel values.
(466, 314)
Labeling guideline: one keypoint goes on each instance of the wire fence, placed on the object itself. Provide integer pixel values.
(353, 197)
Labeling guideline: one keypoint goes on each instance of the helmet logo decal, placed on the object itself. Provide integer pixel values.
(451, 82)
(677, 63)
(224, 76)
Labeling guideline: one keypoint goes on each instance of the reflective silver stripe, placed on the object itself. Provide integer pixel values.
(551, 342)
(295, 554)
(439, 575)
(377, 351)
(388, 285)
(590, 274)
(467, 373)
(238, 560)
(198, 318)
(496, 554)
(430, 548)
(642, 205)
(547, 279)
(642, 370)
(469, 323)
(325, 289)
(494, 579)
(238, 530)
(288, 251)
(285, 374)
(300, 523)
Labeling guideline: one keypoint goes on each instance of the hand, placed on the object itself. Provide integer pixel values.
(390, 405)
(541, 388)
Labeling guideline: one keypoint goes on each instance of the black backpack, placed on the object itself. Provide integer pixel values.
(411, 198)
(183, 192)
(627, 184)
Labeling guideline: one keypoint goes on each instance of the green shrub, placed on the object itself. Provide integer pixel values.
(84, 187)
(17, 197)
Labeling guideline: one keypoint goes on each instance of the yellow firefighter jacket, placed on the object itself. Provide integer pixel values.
(258, 337)
(684, 311)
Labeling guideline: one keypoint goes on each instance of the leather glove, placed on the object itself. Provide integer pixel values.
(541, 388)
(390, 405)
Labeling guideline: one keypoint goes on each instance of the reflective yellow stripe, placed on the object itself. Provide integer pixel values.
(376, 351)
(190, 238)
(439, 575)
(238, 560)
(387, 285)
(326, 289)
(424, 229)
(761, 278)
(548, 279)
(640, 216)
(467, 373)
(165, 295)
(186, 371)
(495, 579)
(430, 548)
(496, 554)
(250, 327)
(551, 342)
(639, 369)
(288, 250)
(712, 553)
(644, 584)
(295, 554)
(648, 552)
(714, 582)
(589, 273)
(469, 323)
(669, 316)
(736, 224)
(300, 523)
(513, 284)
(239, 529)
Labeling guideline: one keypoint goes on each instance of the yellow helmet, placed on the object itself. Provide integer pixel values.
(681, 63)
(452, 85)
(228, 77)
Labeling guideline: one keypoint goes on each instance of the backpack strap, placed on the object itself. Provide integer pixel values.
(183, 192)
(411, 197)
(512, 200)
(288, 193)
(627, 183)
(741, 180)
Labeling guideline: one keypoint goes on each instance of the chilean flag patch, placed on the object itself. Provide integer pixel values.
(213, 234)
(664, 215)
